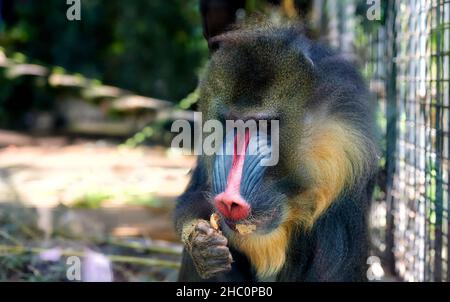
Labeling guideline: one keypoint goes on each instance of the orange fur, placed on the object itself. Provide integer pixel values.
(266, 252)
(334, 155)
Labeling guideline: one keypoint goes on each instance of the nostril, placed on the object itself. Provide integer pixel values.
(224, 205)
(232, 207)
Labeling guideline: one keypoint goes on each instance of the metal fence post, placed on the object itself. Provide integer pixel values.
(391, 128)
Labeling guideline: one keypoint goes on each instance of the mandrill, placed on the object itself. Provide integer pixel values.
(304, 217)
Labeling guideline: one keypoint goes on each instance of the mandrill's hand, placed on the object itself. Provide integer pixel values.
(208, 248)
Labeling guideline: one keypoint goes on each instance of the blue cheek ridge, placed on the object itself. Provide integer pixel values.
(253, 171)
(222, 165)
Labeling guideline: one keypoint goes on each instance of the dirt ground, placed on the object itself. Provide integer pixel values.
(138, 186)
(85, 193)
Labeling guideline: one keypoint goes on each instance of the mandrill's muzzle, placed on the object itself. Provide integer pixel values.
(239, 169)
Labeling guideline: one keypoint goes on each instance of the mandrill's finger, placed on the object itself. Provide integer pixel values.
(216, 240)
(204, 227)
(213, 268)
(218, 252)
(217, 266)
(205, 243)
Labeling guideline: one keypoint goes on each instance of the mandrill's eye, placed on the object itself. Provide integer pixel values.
(239, 169)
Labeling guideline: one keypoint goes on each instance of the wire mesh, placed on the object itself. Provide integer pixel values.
(407, 61)
(419, 194)
(417, 149)
(376, 69)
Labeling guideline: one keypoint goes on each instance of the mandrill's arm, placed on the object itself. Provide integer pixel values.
(206, 254)
(193, 204)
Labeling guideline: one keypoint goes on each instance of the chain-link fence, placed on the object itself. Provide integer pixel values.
(405, 55)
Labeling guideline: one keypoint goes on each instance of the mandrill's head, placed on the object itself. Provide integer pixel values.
(315, 144)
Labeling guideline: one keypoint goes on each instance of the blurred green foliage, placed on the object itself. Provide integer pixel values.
(91, 200)
(95, 199)
(152, 48)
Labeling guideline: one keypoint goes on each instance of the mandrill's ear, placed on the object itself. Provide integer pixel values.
(218, 16)
(303, 51)
(215, 43)
(231, 39)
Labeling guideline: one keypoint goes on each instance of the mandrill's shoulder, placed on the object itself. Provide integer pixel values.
(341, 86)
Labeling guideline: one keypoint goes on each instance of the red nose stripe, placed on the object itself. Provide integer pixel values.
(230, 203)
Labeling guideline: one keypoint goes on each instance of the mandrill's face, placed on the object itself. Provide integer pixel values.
(262, 87)
(245, 194)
